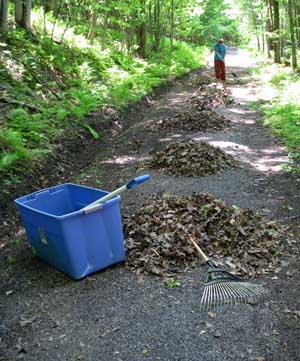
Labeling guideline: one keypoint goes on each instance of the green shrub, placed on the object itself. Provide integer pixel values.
(64, 82)
(12, 149)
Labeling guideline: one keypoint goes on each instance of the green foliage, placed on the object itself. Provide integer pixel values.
(279, 78)
(10, 260)
(172, 283)
(282, 114)
(66, 79)
(285, 122)
(12, 149)
(92, 131)
(29, 126)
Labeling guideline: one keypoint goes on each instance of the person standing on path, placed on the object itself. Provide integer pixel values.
(220, 51)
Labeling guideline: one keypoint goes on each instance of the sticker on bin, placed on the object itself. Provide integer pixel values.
(74, 228)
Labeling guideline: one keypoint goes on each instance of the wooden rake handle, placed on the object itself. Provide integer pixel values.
(202, 254)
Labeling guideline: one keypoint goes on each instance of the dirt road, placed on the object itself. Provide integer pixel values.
(115, 315)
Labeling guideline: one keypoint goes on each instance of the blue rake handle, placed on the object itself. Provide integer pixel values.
(98, 203)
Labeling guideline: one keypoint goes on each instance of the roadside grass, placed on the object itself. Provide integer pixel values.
(281, 112)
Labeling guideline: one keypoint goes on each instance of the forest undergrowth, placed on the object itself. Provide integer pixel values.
(49, 84)
(281, 109)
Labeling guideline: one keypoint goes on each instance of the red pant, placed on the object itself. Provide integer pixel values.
(220, 69)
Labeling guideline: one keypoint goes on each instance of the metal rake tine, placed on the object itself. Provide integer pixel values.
(215, 296)
(256, 290)
(227, 300)
(204, 297)
(246, 292)
(238, 296)
(262, 290)
(230, 293)
(241, 295)
(241, 291)
(209, 299)
(212, 298)
(220, 295)
(224, 295)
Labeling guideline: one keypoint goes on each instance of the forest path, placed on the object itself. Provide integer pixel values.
(115, 315)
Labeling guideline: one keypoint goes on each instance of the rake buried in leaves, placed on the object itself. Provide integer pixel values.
(222, 288)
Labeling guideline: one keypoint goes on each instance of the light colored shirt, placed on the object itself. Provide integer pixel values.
(220, 51)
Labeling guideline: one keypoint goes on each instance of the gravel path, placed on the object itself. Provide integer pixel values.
(118, 316)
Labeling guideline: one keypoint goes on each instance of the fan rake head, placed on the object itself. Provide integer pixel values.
(225, 289)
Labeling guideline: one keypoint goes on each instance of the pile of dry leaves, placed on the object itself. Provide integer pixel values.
(213, 94)
(195, 119)
(200, 115)
(192, 159)
(157, 242)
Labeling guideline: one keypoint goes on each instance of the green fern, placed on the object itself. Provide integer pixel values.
(12, 149)
(93, 132)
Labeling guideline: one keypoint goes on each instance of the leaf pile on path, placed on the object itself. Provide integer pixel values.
(157, 243)
(213, 94)
(190, 158)
(202, 120)
(204, 79)
(200, 115)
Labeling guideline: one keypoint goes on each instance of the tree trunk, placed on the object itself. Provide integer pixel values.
(254, 19)
(129, 38)
(283, 26)
(276, 31)
(157, 26)
(3, 16)
(297, 20)
(142, 31)
(18, 12)
(292, 32)
(93, 23)
(150, 22)
(269, 27)
(26, 15)
(142, 40)
(104, 27)
(172, 26)
(51, 5)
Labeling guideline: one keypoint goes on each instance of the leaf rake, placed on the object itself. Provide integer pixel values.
(222, 288)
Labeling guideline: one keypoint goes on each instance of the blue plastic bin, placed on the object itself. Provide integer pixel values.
(66, 238)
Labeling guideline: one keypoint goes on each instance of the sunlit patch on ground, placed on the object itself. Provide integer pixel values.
(269, 160)
(124, 159)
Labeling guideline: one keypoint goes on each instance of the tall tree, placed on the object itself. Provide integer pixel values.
(157, 25)
(297, 20)
(276, 30)
(26, 14)
(51, 5)
(3, 15)
(93, 23)
(18, 12)
(292, 32)
(172, 9)
(142, 30)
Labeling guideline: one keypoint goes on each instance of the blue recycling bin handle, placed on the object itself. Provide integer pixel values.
(98, 204)
(137, 181)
